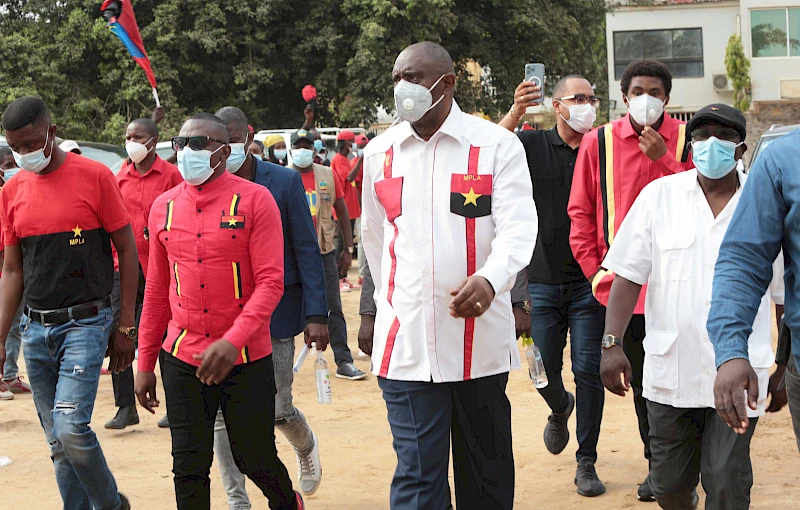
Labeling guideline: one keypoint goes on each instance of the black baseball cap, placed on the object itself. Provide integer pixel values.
(720, 114)
(302, 134)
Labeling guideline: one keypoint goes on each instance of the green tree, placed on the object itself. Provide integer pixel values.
(738, 69)
(258, 56)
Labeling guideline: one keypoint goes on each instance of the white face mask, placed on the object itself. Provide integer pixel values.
(138, 151)
(413, 101)
(645, 109)
(239, 153)
(195, 166)
(34, 161)
(581, 117)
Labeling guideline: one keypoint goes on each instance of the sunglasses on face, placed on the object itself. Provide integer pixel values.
(724, 133)
(581, 99)
(196, 143)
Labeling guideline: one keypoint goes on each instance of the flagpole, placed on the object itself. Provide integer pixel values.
(155, 96)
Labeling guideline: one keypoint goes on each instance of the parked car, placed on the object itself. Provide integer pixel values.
(164, 149)
(773, 133)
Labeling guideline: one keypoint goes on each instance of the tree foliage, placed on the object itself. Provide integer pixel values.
(738, 69)
(259, 55)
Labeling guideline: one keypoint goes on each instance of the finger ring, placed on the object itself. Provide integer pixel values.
(478, 303)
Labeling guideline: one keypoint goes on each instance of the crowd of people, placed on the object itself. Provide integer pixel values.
(638, 241)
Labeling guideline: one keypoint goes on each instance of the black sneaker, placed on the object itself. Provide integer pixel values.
(124, 503)
(349, 371)
(163, 423)
(645, 492)
(126, 415)
(586, 479)
(556, 433)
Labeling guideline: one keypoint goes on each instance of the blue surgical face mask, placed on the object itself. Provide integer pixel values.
(302, 158)
(195, 166)
(714, 158)
(280, 154)
(318, 145)
(238, 156)
(11, 172)
(34, 161)
(359, 152)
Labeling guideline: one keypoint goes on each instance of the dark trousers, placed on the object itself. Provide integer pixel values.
(123, 382)
(634, 349)
(247, 399)
(336, 323)
(690, 445)
(556, 310)
(424, 417)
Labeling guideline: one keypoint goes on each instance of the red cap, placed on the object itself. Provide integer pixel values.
(345, 136)
(362, 140)
(309, 93)
(526, 127)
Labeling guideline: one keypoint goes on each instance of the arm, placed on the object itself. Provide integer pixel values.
(582, 207)
(367, 310)
(306, 251)
(11, 287)
(356, 169)
(122, 348)
(525, 95)
(372, 221)
(266, 261)
(308, 112)
(156, 309)
(343, 217)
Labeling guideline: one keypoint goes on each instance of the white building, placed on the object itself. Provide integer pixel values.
(691, 36)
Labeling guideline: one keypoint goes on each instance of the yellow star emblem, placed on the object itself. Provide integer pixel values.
(77, 231)
(232, 222)
(471, 197)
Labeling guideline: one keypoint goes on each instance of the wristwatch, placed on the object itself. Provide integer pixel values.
(131, 332)
(610, 341)
(350, 250)
(525, 305)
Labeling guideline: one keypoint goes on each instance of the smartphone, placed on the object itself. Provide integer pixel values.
(534, 73)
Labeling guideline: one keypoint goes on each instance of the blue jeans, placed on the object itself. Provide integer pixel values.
(557, 309)
(13, 343)
(63, 365)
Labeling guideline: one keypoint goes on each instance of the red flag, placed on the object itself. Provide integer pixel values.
(309, 93)
(121, 21)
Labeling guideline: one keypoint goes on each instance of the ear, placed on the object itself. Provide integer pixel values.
(225, 152)
(666, 101)
(249, 140)
(625, 99)
(449, 82)
(740, 150)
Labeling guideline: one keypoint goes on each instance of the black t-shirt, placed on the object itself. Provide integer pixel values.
(551, 163)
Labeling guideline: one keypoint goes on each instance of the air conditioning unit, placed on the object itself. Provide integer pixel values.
(722, 83)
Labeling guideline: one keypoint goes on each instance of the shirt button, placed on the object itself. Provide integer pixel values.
(199, 210)
(199, 189)
(708, 303)
(202, 285)
(199, 235)
(427, 208)
(241, 305)
(426, 239)
(205, 311)
(426, 270)
(199, 261)
(706, 372)
(207, 335)
(233, 237)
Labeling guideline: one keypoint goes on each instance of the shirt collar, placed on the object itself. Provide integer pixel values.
(555, 138)
(158, 167)
(450, 127)
(665, 130)
(217, 184)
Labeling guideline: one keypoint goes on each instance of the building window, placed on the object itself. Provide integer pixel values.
(775, 32)
(680, 49)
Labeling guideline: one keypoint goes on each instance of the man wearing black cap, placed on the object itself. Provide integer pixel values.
(325, 194)
(671, 239)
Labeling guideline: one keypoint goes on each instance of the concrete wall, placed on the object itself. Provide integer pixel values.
(763, 114)
(767, 73)
(718, 21)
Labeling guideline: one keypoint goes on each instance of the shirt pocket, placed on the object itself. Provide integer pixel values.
(661, 360)
(390, 195)
(676, 251)
(471, 195)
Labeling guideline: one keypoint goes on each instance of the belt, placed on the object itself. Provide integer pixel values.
(64, 315)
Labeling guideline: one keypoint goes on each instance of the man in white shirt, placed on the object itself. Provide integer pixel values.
(671, 238)
(447, 223)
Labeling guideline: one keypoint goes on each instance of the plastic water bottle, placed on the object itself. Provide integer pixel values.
(536, 369)
(323, 379)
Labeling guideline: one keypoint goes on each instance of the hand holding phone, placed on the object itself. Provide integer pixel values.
(534, 73)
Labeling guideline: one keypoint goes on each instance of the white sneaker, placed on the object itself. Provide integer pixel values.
(363, 355)
(5, 393)
(4, 461)
(309, 469)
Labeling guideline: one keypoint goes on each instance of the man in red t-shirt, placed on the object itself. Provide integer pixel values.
(342, 166)
(141, 180)
(59, 217)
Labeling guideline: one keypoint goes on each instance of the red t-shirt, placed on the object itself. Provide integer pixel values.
(311, 192)
(62, 222)
(342, 166)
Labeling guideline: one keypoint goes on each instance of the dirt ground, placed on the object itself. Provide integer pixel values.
(357, 456)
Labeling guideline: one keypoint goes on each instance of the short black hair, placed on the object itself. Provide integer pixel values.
(5, 152)
(218, 123)
(150, 127)
(24, 112)
(647, 67)
(561, 84)
(259, 144)
(370, 135)
(234, 118)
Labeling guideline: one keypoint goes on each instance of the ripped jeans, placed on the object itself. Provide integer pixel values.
(63, 365)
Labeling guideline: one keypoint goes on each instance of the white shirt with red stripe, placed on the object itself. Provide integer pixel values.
(433, 214)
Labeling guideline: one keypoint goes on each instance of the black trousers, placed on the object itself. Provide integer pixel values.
(694, 444)
(247, 399)
(634, 348)
(424, 417)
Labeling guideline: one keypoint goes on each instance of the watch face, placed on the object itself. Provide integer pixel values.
(133, 333)
(608, 341)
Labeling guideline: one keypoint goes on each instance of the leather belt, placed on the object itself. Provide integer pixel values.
(64, 315)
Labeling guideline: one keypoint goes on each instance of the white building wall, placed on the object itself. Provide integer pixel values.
(767, 73)
(718, 21)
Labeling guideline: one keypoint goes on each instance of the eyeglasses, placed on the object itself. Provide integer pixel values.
(582, 99)
(723, 133)
(196, 143)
